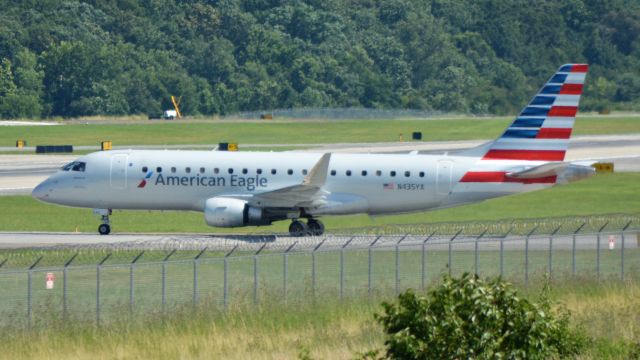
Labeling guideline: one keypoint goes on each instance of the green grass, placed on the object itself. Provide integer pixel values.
(328, 329)
(601, 194)
(303, 132)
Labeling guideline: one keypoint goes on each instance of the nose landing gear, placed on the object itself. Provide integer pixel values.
(313, 227)
(105, 227)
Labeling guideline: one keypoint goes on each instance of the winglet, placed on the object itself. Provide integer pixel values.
(318, 174)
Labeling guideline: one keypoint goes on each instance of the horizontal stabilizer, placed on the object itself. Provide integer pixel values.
(562, 172)
(545, 170)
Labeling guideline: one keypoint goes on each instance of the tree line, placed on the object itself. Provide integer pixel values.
(104, 57)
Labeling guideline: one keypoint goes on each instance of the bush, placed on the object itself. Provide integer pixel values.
(472, 318)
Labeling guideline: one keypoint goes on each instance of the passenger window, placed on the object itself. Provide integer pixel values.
(348, 172)
(273, 171)
(187, 170)
(216, 170)
(290, 172)
(421, 174)
(333, 173)
(158, 169)
(304, 171)
(407, 174)
(378, 173)
(144, 169)
(173, 169)
(392, 173)
(230, 171)
(364, 172)
(258, 171)
(244, 171)
(201, 170)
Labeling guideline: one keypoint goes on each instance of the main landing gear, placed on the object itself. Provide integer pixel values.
(313, 227)
(105, 227)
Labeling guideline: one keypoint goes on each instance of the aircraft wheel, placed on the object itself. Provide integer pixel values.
(104, 229)
(316, 228)
(298, 228)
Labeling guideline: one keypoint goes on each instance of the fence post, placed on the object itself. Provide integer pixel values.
(398, 264)
(502, 238)
(30, 291)
(598, 250)
(255, 273)
(573, 249)
(132, 281)
(98, 267)
(225, 289)
(451, 249)
(285, 270)
(424, 261)
(622, 250)
(64, 286)
(313, 267)
(475, 253)
(196, 262)
(550, 266)
(164, 280)
(342, 266)
(370, 266)
(526, 255)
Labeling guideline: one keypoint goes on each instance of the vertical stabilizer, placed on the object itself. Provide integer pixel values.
(542, 129)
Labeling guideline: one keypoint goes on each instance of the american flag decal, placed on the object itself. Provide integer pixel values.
(388, 186)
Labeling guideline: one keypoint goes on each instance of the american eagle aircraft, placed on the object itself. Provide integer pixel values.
(236, 189)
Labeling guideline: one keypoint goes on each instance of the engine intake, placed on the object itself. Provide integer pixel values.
(228, 212)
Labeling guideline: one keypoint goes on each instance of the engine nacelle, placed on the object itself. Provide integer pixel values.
(228, 212)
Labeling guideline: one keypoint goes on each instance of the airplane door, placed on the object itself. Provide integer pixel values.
(118, 174)
(444, 172)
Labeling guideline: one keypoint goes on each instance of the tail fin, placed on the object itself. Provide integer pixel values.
(541, 132)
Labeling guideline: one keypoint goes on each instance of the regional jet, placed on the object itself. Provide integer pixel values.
(235, 189)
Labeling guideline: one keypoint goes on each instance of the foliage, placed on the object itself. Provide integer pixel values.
(72, 58)
(468, 317)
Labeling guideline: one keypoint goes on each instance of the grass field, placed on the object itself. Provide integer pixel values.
(587, 197)
(606, 312)
(287, 132)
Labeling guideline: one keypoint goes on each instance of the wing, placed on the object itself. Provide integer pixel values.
(306, 194)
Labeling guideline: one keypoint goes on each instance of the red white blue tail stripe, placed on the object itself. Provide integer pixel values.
(542, 129)
(539, 134)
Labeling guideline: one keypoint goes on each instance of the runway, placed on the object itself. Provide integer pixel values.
(19, 174)
(252, 243)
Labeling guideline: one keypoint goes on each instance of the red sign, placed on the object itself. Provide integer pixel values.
(49, 282)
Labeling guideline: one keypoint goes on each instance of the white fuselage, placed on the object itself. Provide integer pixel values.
(184, 180)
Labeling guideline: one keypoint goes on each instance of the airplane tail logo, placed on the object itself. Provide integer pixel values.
(542, 129)
(143, 183)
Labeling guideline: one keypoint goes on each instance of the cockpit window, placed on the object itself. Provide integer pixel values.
(75, 166)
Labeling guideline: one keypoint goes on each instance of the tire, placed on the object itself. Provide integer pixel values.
(104, 229)
(298, 228)
(316, 228)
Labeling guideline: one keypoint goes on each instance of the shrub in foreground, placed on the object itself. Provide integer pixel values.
(468, 317)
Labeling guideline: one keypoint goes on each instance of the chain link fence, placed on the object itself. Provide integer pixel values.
(149, 279)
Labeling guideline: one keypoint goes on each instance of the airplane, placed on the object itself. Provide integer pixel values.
(235, 189)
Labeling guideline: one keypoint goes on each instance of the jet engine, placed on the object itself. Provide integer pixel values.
(228, 212)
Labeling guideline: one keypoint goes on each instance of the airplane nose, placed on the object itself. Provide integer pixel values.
(41, 192)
